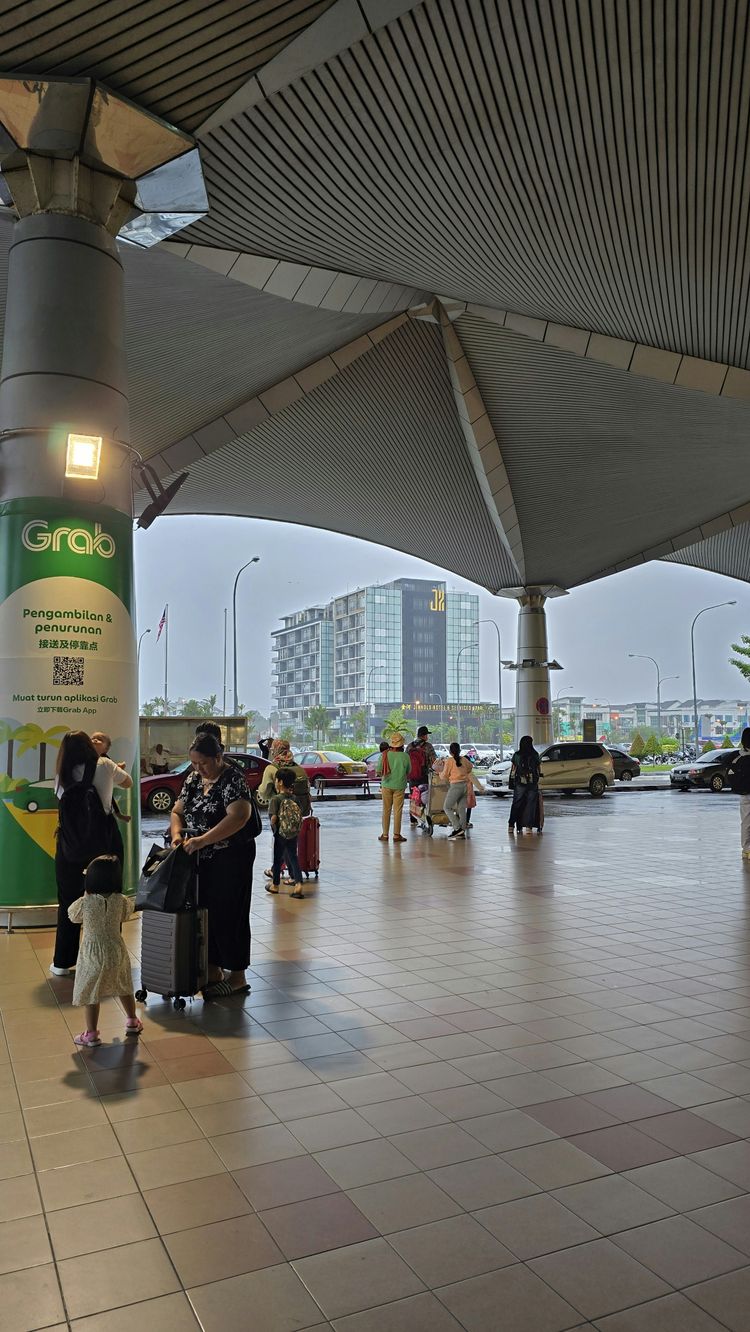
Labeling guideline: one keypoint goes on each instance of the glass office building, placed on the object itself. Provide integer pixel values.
(409, 642)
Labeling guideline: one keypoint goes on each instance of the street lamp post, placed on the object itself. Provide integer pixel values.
(644, 657)
(254, 560)
(466, 648)
(692, 657)
(439, 698)
(140, 640)
(496, 627)
(378, 667)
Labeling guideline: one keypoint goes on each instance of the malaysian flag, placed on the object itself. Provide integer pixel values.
(162, 623)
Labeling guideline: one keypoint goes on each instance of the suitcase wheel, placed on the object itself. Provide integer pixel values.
(316, 874)
(140, 995)
(178, 1005)
(166, 996)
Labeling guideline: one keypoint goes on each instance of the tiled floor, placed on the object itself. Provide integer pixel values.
(487, 1085)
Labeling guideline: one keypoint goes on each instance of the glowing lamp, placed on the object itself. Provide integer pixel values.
(83, 456)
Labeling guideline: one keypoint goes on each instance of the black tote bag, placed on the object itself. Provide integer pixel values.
(167, 881)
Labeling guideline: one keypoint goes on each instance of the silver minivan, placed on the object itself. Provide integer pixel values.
(566, 765)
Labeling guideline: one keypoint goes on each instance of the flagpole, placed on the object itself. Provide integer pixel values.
(224, 703)
(166, 659)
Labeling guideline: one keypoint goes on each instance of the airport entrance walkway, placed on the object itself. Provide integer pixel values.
(501, 1084)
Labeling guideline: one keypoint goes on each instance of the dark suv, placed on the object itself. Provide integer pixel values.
(626, 767)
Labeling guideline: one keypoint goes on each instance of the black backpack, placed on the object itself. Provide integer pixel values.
(84, 830)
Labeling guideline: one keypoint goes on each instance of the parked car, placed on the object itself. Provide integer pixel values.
(326, 766)
(371, 763)
(626, 767)
(709, 771)
(565, 766)
(159, 793)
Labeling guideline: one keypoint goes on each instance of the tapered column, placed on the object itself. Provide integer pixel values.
(533, 711)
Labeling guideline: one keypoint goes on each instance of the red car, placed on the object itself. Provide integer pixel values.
(159, 793)
(326, 767)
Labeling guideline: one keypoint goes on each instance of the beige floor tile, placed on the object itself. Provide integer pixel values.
(19, 1197)
(30, 1299)
(536, 1225)
(682, 1184)
(417, 1313)
(207, 1091)
(679, 1251)
(225, 1249)
(598, 1278)
(154, 1131)
(279, 1077)
(729, 1220)
(552, 1165)
(397, 1204)
(731, 1161)
(23, 1243)
(364, 1163)
(256, 1146)
(482, 1183)
(428, 1076)
(527, 1304)
(172, 1165)
(232, 1116)
(360, 1276)
(15, 1160)
(527, 1088)
(51, 1091)
(465, 1102)
(277, 1298)
(96, 1143)
(124, 1275)
(732, 1115)
(339, 1128)
(402, 1116)
(90, 1182)
(612, 1203)
(503, 1131)
(140, 1104)
(303, 1102)
(371, 1089)
(672, 1313)
(442, 1145)
(166, 1313)
(450, 1250)
(12, 1126)
(196, 1202)
(726, 1298)
(66, 1116)
(100, 1225)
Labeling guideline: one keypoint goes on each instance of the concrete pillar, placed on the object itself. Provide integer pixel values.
(67, 636)
(81, 167)
(533, 710)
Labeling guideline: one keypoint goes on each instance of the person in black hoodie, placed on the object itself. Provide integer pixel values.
(739, 778)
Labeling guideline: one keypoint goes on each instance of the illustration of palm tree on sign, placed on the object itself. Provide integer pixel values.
(7, 737)
(32, 736)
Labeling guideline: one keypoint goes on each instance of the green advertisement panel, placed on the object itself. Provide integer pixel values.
(67, 662)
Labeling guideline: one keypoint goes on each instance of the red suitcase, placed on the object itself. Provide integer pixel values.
(308, 846)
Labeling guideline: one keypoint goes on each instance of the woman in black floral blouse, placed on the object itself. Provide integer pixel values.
(215, 804)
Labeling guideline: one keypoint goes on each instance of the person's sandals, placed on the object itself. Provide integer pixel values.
(382, 839)
(133, 1027)
(298, 893)
(88, 1039)
(399, 838)
(222, 989)
(272, 887)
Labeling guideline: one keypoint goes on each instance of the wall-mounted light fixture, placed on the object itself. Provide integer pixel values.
(83, 456)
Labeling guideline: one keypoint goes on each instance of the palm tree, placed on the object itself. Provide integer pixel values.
(32, 736)
(318, 721)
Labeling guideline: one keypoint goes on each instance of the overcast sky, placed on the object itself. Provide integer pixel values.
(191, 564)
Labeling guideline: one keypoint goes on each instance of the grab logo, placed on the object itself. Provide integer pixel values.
(36, 535)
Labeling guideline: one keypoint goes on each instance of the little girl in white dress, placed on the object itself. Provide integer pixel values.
(103, 967)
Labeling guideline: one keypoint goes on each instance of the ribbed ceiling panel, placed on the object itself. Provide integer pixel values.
(376, 452)
(179, 58)
(584, 161)
(603, 465)
(199, 344)
(727, 553)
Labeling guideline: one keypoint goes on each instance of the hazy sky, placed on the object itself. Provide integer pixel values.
(191, 564)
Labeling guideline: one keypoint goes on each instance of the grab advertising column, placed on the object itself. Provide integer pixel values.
(67, 662)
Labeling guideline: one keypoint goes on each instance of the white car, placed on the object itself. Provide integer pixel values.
(568, 765)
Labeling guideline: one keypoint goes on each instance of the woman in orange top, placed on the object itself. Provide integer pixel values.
(457, 771)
